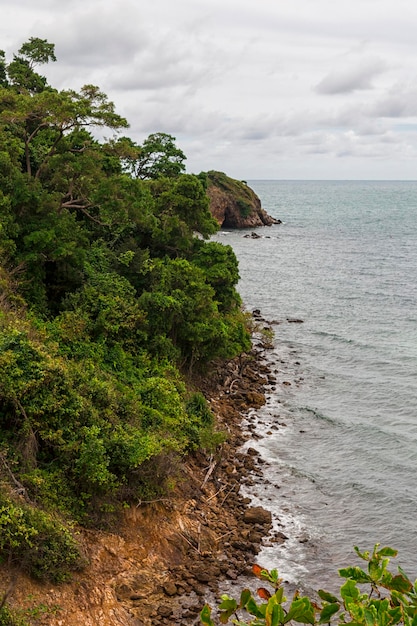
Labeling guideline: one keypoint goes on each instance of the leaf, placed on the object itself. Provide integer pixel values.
(363, 555)
(257, 570)
(355, 573)
(205, 616)
(228, 604)
(370, 616)
(328, 611)
(387, 552)
(401, 583)
(328, 597)
(349, 590)
(277, 616)
(301, 610)
(254, 609)
(279, 595)
(244, 598)
(227, 607)
(263, 593)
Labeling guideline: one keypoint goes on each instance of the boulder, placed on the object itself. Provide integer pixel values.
(257, 515)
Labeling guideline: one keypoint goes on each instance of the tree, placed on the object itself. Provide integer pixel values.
(106, 291)
(46, 117)
(158, 156)
(3, 72)
(21, 70)
(222, 273)
(182, 209)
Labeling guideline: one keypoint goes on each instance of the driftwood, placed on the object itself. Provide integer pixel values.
(210, 470)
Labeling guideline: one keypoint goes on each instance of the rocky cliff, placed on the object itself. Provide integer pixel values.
(234, 204)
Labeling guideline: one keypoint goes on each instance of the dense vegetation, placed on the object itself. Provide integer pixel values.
(110, 295)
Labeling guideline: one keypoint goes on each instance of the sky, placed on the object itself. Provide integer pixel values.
(258, 89)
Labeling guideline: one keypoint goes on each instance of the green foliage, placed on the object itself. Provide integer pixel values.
(221, 269)
(183, 305)
(109, 292)
(99, 427)
(158, 156)
(21, 70)
(37, 541)
(200, 424)
(9, 617)
(244, 207)
(387, 600)
(182, 209)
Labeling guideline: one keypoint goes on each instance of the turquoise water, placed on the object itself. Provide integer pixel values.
(342, 462)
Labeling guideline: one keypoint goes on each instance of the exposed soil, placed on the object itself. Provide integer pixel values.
(168, 557)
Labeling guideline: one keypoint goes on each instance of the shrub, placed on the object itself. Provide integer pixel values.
(387, 599)
(38, 542)
(8, 617)
(199, 427)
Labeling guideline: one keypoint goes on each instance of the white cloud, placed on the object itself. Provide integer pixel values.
(352, 76)
(261, 89)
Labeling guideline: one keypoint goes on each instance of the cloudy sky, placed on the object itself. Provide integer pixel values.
(280, 89)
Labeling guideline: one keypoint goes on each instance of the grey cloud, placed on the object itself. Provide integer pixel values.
(162, 69)
(353, 77)
(95, 39)
(400, 101)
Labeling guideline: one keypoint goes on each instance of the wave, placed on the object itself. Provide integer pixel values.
(318, 415)
(345, 340)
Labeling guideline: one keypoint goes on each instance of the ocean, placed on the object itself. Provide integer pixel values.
(339, 431)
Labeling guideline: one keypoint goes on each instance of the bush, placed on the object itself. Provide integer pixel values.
(386, 600)
(38, 542)
(199, 427)
(8, 617)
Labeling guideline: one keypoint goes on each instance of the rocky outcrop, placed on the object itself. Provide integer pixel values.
(234, 204)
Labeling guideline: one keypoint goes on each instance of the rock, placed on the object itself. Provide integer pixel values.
(202, 575)
(257, 515)
(233, 204)
(170, 589)
(137, 596)
(255, 399)
(199, 590)
(165, 611)
(255, 537)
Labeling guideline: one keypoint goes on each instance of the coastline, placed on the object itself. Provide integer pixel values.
(168, 558)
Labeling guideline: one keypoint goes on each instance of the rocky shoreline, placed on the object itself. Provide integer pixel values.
(168, 558)
(222, 547)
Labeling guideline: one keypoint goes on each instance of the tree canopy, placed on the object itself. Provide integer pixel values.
(109, 294)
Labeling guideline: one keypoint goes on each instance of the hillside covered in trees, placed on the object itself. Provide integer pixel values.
(110, 296)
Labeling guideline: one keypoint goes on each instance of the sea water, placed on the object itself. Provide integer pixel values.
(339, 431)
